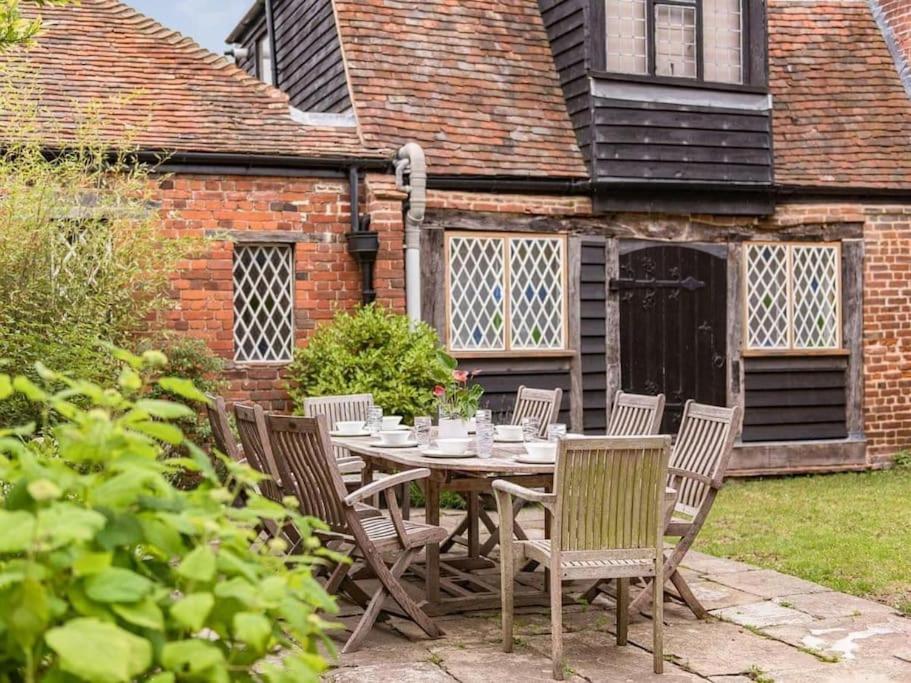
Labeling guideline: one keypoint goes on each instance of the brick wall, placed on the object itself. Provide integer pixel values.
(894, 19)
(327, 279)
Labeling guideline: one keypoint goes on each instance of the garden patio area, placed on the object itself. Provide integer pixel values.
(765, 626)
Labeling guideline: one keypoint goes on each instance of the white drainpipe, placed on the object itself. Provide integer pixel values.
(411, 161)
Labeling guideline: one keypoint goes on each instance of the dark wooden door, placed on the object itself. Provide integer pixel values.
(673, 323)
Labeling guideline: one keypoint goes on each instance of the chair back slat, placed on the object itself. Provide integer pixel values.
(610, 492)
(349, 408)
(703, 449)
(636, 415)
(304, 455)
(221, 428)
(251, 426)
(543, 404)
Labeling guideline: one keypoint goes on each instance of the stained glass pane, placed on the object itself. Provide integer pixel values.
(816, 291)
(767, 296)
(536, 289)
(263, 303)
(477, 300)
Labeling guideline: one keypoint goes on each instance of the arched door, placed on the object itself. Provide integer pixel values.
(673, 323)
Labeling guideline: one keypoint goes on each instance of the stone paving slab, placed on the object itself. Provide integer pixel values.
(831, 605)
(714, 595)
(708, 564)
(425, 672)
(486, 664)
(767, 583)
(851, 638)
(762, 615)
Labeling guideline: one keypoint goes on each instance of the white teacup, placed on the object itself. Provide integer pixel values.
(390, 422)
(541, 451)
(453, 446)
(397, 437)
(509, 432)
(350, 427)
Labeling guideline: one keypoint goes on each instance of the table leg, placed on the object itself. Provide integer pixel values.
(548, 488)
(432, 517)
(474, 532)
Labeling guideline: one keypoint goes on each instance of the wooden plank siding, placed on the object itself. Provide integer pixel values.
(567, 27)
(795, 398)
(502, 377)
(593, 337)
(310, 66)
(662, 141)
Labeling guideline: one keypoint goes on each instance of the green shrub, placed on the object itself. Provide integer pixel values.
(109, 573)
(373, 351)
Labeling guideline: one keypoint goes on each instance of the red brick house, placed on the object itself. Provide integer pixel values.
(738, 234)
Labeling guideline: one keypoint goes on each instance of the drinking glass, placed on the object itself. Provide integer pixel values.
(531, 426)
(484, 433)
(422, 428)
(374, 419)
(555, 432)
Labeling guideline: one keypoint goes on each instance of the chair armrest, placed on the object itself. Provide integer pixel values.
(546, 499)
(387, 483)
(350, 465)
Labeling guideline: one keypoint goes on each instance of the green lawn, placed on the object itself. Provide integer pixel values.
(850, 532)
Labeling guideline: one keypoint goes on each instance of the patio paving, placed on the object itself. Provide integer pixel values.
(765, 626)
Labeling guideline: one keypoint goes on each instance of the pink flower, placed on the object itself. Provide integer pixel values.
(439, 391)
(460, 376)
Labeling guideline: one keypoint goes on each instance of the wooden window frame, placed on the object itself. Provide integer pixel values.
(507, 351)
(651, 74)
(755, 352)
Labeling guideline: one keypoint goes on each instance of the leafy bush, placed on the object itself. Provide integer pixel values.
(83, 258)
(373, 351)
(108, 573)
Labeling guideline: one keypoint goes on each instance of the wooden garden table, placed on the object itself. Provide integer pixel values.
(466, 582)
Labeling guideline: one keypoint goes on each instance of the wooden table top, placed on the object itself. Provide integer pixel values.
(503, 461)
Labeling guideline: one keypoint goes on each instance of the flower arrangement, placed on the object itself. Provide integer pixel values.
(460, 398)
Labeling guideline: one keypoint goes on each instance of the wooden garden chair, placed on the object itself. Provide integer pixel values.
(636, 415)
(349, 408)
(543, 404)
(698, 464)
(608, 510)
(222, 435)
(304, 454)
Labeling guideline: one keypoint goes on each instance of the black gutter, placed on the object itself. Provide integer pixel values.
(363, 243)
(251, 162)
(808, 192)
(270, 32)
(510, 184)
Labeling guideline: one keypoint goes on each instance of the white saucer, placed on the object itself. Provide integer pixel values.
(437, 453)
(528, 460)
(349, 435)
(407, 444)
(496, 440)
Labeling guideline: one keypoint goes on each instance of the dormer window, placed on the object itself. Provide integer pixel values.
(701, 40)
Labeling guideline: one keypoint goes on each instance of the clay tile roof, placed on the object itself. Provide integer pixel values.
(158, 89)
(473, 81)
(842, 117)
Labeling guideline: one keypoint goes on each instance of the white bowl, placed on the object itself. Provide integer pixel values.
(351, 427)
(509, 432)
(543, 451)
(391, 422)
(394, 438)
(453, 446)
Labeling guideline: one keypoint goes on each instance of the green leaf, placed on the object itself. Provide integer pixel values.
(154, 359)
(191, 656)
(199, 565)
(183, 388)
(129, 380)
(164, 410)
(17, 531)
(192, 611)
(145, 614)
(31, 391)
(117, 585)
(6, 387)
(29, 613)
(65, 523)
(160, 430)
(98, 651)
(253, 629)
(125, 356)
(91, 563)
(43, 490)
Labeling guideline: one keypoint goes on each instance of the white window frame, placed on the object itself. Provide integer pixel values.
(287, 354)
(790, 348)
(506, 239)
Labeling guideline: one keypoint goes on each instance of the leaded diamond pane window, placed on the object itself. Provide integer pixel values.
(263, 303)
(536, 293)
(477, 294)
(793, 297)
(506, 292)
